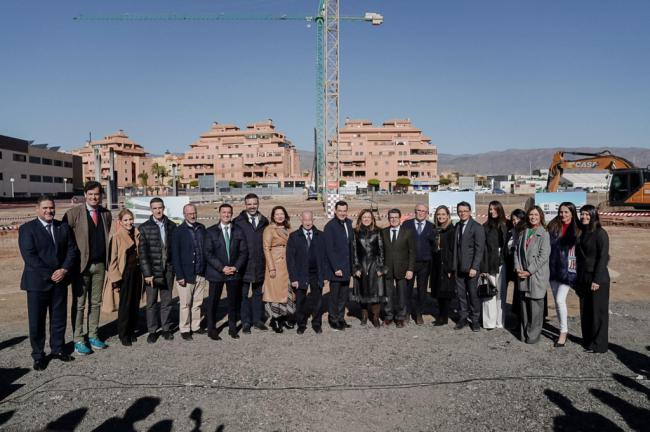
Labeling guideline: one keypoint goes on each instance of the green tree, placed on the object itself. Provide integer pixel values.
(445, 181)
(374, 183)
(233, 184)
(144, 178)
(252, 183)
(160, 171)
(403, 182)
(194, 183)
(342, 183)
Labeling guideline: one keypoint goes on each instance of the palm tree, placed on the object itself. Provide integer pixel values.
(160, 171)
(144, 178)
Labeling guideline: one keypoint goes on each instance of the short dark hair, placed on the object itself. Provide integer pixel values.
(251, 196)
(92, 184)
(340, 204)
(464, 204)
(395, 211)
(42, 198)
(156, 200)
(225, 205)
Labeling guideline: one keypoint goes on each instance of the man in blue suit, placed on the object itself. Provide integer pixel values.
(304, 262)
(226, 254)
(49, 252)
(338, 237)
(423, 234)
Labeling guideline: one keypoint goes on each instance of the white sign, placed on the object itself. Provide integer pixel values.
(141, 211)
(451, 199)
(550, 202)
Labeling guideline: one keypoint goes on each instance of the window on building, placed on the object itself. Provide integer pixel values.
(1, 177)
(35, 178)
(0, 155)
(23, 176)
(376, 173)
(58, 163)
(386, 173)
(47, 161)
(34, 159)
(58, 179)
(20, 157)
(48, 179)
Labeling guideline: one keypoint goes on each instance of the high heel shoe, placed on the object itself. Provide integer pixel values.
(276, 326)
(557, 344)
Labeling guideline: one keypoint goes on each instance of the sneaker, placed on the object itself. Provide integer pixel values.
(97, 344)
(81, 348)
(246, 329)
(167, 335)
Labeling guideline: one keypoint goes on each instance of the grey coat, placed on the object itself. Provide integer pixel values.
(535, 260)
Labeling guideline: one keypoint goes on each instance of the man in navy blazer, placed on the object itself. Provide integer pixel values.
(49, 252)
(423, 234)
(338, 237)
(304, 262)
(226, 254)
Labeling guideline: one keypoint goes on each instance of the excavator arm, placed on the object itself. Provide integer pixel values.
(604, 160)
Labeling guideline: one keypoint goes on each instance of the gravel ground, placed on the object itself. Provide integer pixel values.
(417, 378)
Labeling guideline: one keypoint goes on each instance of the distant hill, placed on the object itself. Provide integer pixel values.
(518, 161)
(514, 161)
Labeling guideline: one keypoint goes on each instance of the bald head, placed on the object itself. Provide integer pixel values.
(307, 219)
(189, 213)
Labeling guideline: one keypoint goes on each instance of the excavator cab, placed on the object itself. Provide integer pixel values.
(630, 186)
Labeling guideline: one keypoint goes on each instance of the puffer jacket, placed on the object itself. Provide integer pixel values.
(563, 252)
(255, 266)
(155, 258)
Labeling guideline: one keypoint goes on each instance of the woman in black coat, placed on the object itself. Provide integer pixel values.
(515, 225)
(443, 284)
(592, 255)
(368, 267)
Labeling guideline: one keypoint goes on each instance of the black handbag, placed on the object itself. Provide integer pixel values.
(485, 288)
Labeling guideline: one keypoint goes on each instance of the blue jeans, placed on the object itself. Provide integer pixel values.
(254, 307)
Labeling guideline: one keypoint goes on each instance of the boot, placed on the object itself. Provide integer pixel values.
(276, 326)
(375, 316)
(284, 322)
(364, 317)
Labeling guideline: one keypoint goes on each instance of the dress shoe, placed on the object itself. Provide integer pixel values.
(399, 324)
(40, 364)
(233, 334)
(344, 324)
(246, 329)
(418, 320)
(152, 338)
(476, 327)
(63, 357)
(276, 326)
(97, 344)
(317, 329)
(335, 326)
(260, 326)
(126, 341)
(81, 348)
(167, 335)
(301, 330)
(187, 336)
(460, 325)
(200, 331)
(214, 335)
(133, 338)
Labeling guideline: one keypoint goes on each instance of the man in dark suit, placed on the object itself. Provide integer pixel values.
(422, 231)
(49, 251)
(304, 262)
(469, 242)
(338, 237)
(155, 254)
(399, 259)
(226, 254)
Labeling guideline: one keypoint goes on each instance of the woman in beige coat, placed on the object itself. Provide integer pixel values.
(123, 276)
(277, 295)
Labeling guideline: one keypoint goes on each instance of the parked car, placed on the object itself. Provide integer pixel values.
(312, 194)
(499, 191)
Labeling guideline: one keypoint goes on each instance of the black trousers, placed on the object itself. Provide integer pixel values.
(418, 291)
(443, 310)
(233, 291)
(339, 293)
(316, 296)
(594, 318)
(130, 293)
(395, 306)
(39, 303)
(468, 301)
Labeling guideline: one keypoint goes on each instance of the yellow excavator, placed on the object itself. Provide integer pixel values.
(629, 186)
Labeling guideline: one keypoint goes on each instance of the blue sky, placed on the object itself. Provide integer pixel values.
(475, 75)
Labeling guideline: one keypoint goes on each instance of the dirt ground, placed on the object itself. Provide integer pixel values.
(418, 378)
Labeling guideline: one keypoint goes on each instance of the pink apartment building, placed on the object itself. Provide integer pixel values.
(130, 160)
(258, 153)
(395, 149)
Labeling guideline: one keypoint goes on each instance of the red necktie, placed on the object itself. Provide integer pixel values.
(93, 214)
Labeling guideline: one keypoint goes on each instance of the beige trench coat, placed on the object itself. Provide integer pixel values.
(120, 241)
(276, 290)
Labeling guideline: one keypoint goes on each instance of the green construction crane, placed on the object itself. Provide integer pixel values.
(327, 72)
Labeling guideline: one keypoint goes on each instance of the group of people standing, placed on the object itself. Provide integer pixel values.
(268, 271)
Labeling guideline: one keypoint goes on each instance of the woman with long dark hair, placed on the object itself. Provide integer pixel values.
(492, 265)
(368, 268)
(443, 284)
(531, 263)
(279, 299)
(516, 224)
(564, 233)
(593, 281)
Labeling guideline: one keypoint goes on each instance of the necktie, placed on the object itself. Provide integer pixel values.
(226, 237)
(254, 222)
(419, 228)
(93, 215)
(460, 233)
(51, 233)
(394, 236)
(308, 238)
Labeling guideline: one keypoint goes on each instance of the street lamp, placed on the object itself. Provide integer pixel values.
(174, 179)
(12, 187)
(65, 185)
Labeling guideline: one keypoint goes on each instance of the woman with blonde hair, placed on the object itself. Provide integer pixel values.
(123, 277)
(368, 267)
